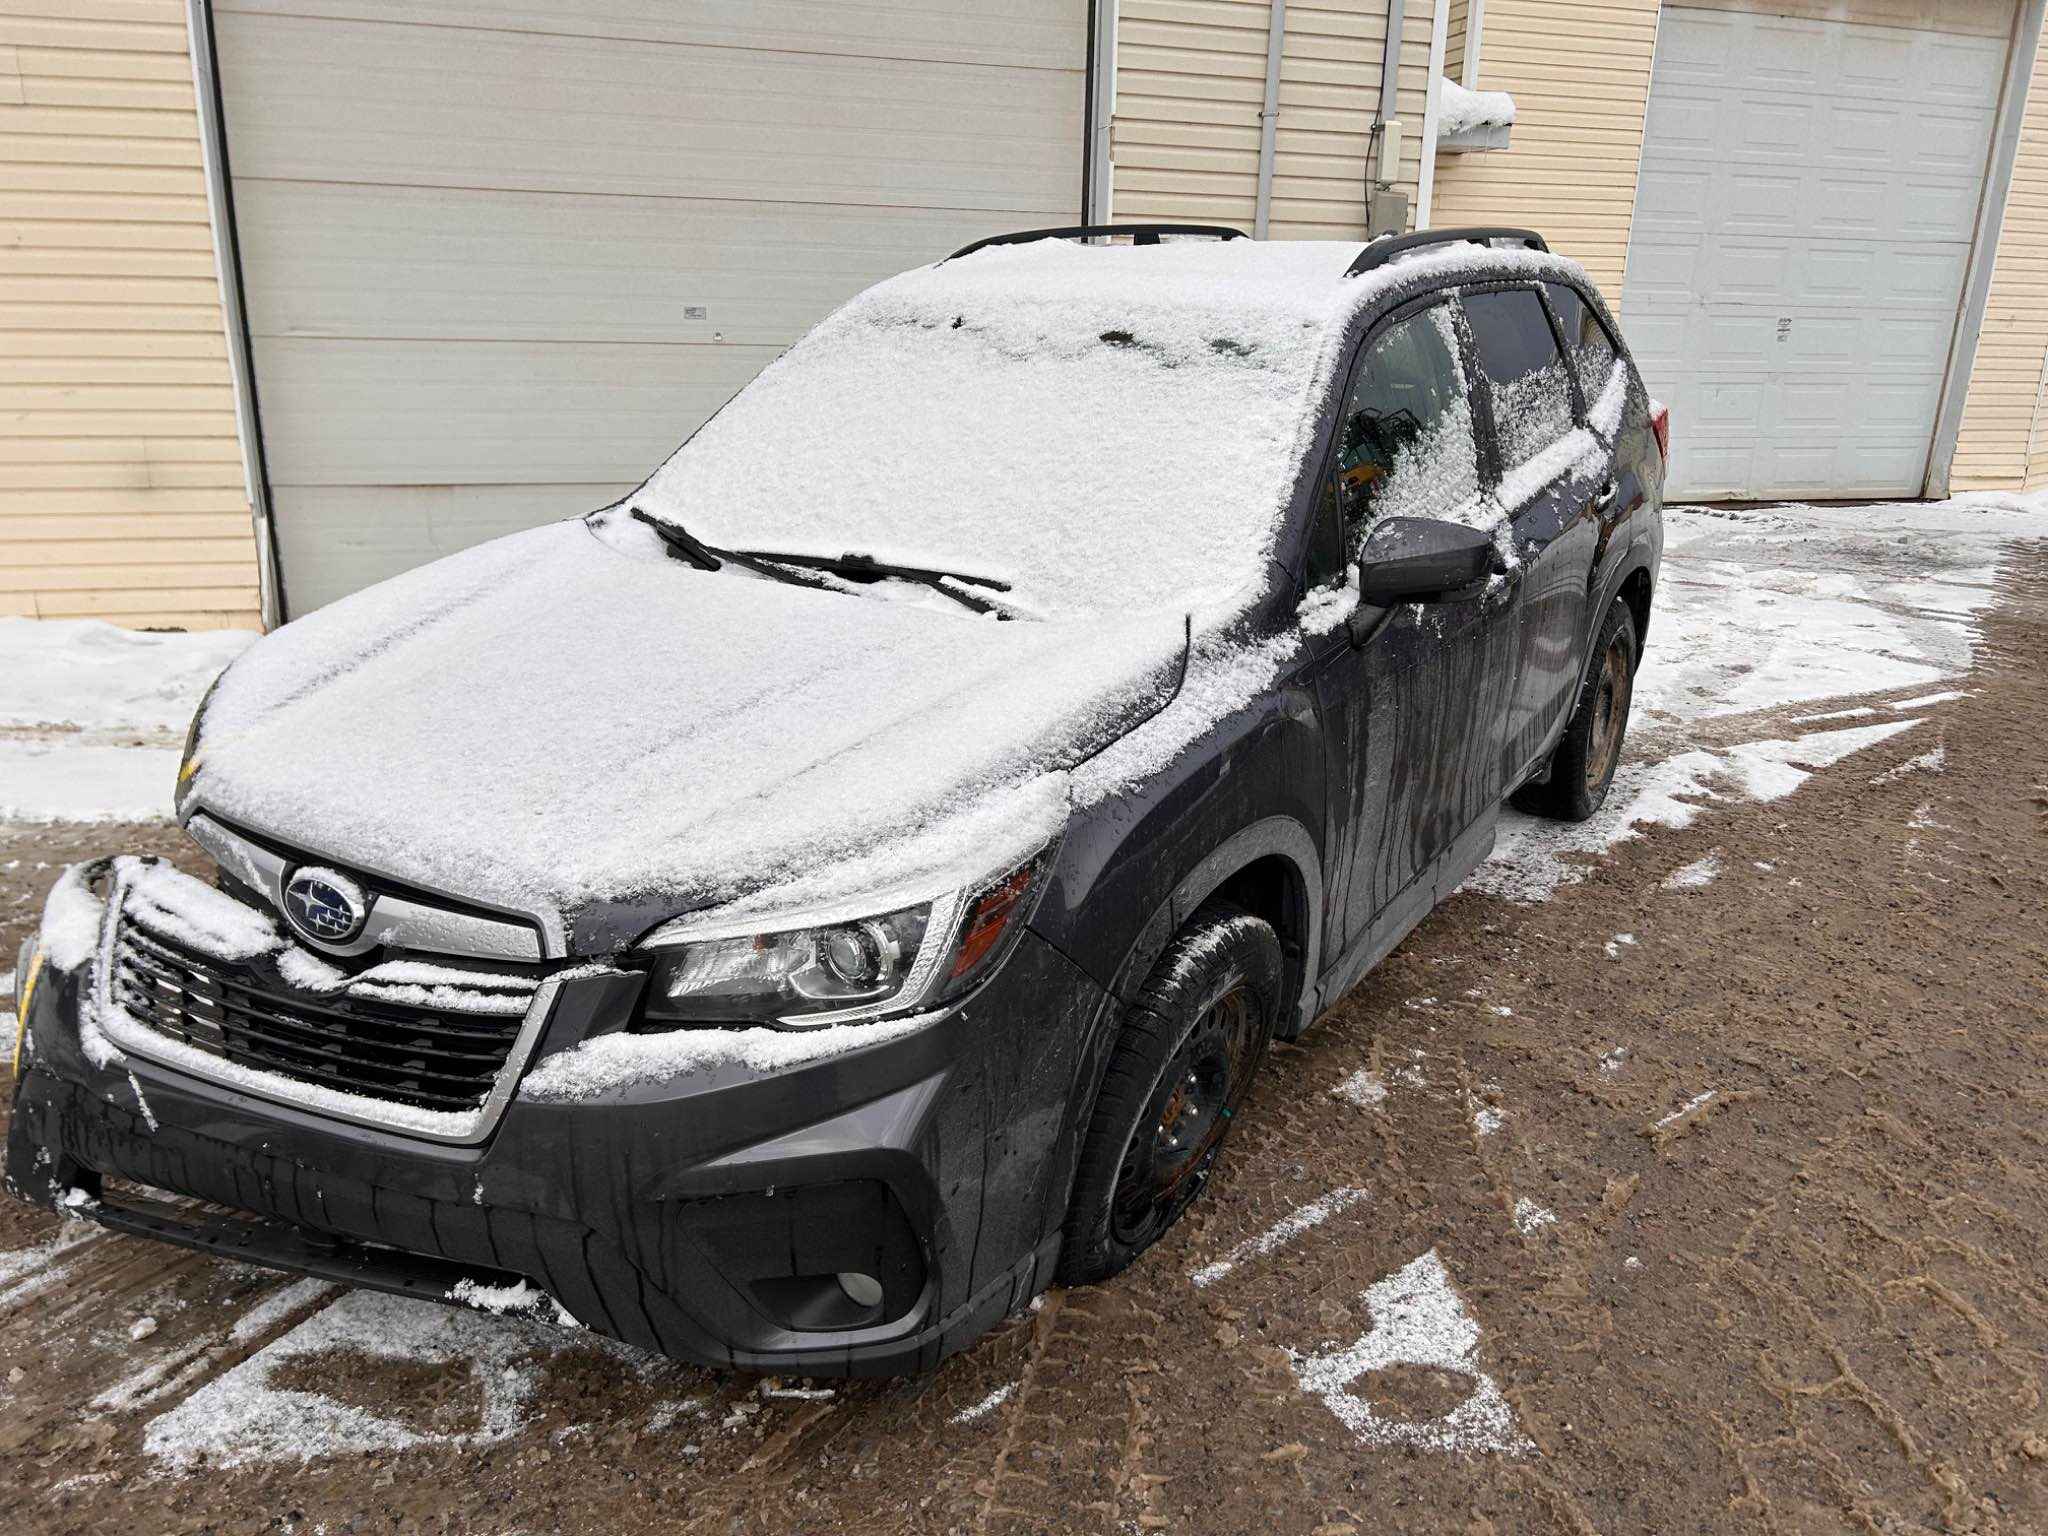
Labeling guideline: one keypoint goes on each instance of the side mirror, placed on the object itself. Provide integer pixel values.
(1422, 560)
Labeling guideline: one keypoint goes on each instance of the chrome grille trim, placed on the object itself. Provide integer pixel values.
(208, 1013)
(396, 921)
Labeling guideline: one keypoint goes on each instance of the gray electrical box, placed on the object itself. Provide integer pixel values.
(1386, 213)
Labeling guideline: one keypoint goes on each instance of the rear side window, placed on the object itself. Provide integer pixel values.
(1532, 398)
(1586, 346)
(1405, 448)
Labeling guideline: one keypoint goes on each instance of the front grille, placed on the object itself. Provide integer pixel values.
(437, 1047)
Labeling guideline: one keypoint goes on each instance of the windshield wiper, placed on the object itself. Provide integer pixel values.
(682, 545)
(858, 567)
(679, 544)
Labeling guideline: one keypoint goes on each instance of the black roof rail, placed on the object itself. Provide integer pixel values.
(1387, 247)
(1141, 234)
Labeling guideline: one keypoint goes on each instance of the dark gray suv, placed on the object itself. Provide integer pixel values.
(789, 918)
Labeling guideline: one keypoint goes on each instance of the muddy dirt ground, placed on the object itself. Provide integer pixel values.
(1747, 1215)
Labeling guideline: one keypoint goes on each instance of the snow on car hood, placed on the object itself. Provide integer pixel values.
(566, 717)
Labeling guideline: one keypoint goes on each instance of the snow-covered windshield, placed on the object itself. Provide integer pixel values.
(1105, 428)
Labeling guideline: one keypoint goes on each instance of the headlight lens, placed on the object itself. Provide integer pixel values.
(842, 971)
(764, 977)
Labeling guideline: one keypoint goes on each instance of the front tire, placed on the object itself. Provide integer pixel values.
(1582, 767)
(1186, 1053)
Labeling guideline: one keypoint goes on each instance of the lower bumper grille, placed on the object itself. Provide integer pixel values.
(444, 1052)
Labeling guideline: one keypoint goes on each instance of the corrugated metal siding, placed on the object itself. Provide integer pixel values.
(1190, 83)
(121, 492)
(2003, 444)
(1580, 76)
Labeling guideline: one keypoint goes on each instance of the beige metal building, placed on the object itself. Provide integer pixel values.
(326, 295)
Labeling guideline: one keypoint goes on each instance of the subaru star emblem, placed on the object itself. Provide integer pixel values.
(325, 905)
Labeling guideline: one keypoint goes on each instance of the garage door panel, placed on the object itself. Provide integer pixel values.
(1882, 280)
(1756, 201)
(1804, 215)
(1944, 141)
(427, 106)
(1695, 51)
(390, 412)
(334, 540)
(486, 265)
(499, 259)
(963, 31)
(1966, 72)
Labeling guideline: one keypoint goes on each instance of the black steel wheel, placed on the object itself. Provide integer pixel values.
(1582, 768)
(1189, 1047)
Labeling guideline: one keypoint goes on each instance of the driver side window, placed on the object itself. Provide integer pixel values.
(1405, 447)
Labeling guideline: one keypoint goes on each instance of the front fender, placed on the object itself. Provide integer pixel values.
(1133, 868)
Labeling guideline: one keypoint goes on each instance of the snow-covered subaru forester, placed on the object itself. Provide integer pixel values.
(793, 916)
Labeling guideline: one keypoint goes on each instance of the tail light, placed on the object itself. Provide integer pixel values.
(1660, 423)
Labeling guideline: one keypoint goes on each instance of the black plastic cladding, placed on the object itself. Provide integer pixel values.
(611, 1205)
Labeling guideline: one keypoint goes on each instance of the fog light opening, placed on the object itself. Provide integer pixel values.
(862, 1290)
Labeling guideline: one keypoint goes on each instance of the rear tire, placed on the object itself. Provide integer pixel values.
(1582, 767)
(1186, 1053)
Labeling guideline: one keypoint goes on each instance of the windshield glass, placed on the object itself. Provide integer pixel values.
(1105, 428)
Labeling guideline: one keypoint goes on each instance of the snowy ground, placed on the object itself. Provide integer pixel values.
(1863, 610)
(1786, 641)
(92, 716)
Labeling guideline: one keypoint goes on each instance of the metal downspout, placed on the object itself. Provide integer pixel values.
(227, 267)
(1097, 173)
(1439, 43)
(1390, 61)
(1269, 117)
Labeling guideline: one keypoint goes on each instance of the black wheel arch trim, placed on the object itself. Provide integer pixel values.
(1272, 836)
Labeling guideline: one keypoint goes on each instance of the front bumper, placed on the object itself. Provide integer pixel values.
(706, 1219)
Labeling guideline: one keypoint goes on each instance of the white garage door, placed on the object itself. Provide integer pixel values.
(500, 258)
(1802, 228)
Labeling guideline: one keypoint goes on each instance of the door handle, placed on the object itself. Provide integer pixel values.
(1606, 497)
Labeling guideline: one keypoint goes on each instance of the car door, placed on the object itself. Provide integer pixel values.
(1413, 699)
(1556, 479)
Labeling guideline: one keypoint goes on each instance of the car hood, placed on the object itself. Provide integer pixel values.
(564, 720)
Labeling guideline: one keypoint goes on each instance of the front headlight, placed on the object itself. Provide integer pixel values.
(188, 761)
(840, 970)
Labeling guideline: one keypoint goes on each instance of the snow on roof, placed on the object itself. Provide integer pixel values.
(1107, 427)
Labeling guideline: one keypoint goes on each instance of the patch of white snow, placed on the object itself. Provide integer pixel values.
(1418, 1320)
(1282, 1232)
